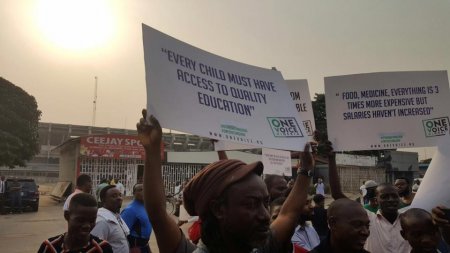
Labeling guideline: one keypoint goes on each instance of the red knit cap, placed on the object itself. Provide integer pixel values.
(212, 180)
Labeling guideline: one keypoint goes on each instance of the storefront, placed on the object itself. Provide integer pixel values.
(109, 156)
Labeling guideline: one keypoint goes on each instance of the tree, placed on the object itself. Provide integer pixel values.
(19, 122)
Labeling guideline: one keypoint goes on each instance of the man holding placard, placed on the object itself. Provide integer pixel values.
(230, 198)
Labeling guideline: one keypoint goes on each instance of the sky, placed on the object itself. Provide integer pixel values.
(53, 49)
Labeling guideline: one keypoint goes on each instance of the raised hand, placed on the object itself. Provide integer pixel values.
(149, 131)
(307, 158)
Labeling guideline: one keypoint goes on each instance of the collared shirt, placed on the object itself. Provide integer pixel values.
(305, 237)
(67, 203)
(136, 218)
(112, 228)
(56, 244)
(385, 237)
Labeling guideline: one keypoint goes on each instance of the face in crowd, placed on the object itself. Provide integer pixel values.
(112, 199)
(81, 216)
(244, 213)
(418, 229)
(387, 198)
(402, 187)
(276, 186)
(138, 192)
(349, 225)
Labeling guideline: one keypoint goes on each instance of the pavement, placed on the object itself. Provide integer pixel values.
(22, 233)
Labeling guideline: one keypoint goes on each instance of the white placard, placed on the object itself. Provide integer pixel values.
(435, 186)
(191, 90)
(299, 92)
(277, 162)
(387, 110)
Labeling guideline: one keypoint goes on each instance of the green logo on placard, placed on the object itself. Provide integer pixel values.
(285, 127)
(436, 126)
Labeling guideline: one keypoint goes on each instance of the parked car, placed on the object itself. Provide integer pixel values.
(29, 192)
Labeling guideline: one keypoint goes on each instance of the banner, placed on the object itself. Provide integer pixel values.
(387, 110)
(112, 146)
(193, 91)
(299, 93)
(277, 162)
(435, 186)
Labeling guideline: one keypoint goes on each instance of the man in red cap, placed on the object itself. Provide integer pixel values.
(229, 196)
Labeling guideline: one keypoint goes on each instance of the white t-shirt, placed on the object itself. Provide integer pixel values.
(121, 188)
(320, 189)
(66, 204)
(112, 228)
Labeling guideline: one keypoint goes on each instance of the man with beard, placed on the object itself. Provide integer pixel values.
(305, 236)
(80, 219)
(109, 225)
(404, 191)
(229, 196)
(384, 225)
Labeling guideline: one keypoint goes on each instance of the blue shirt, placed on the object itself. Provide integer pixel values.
(135, 214)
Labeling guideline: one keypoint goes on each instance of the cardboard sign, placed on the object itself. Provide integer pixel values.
(299, 93)
(276, 162)
(387, 110)
(435, 186)
(197, 92)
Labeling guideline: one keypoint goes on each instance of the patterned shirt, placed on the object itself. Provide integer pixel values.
(56, 245)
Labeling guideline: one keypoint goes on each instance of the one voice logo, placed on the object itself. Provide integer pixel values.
(436, 126)
(285, 127)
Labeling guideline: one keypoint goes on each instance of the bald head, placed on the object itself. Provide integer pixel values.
(349, 225)
(414, 216)
(344, 207)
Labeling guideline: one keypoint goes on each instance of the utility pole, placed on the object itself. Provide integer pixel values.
(94, 112)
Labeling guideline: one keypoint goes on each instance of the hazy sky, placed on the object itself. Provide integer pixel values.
(54, 49)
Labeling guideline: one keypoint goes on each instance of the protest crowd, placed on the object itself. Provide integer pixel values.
(237, 210)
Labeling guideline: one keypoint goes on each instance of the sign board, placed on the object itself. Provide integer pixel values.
(277, 162)
(193, 91)
(435, 186)
(387, 110)
(112, 146)
(401, 161)
(299, 93)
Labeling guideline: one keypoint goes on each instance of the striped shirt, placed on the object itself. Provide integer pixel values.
(56, 245)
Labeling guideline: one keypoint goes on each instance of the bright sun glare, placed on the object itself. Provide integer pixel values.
(76, 24)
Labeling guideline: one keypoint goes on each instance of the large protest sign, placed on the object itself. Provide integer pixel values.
(435, 186)
(299, 93)
(387, 110)
(197, 92)
(277, 162)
